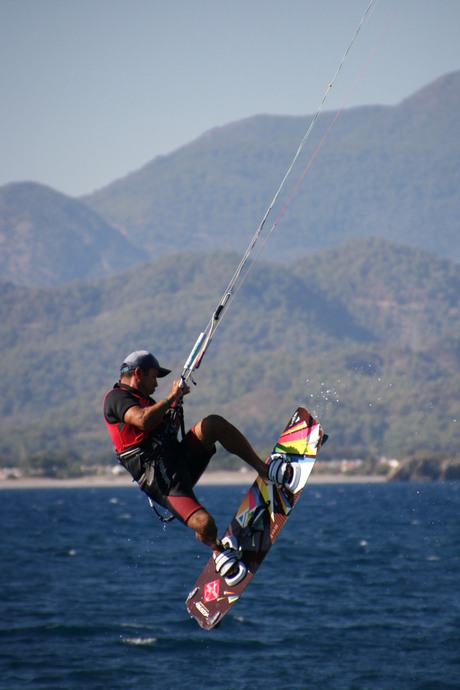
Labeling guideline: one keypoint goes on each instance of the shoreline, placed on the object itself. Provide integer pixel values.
(220, 478)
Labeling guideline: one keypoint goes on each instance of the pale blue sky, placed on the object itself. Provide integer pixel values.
(94, 89)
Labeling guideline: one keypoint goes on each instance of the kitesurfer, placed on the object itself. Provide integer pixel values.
(144, 433)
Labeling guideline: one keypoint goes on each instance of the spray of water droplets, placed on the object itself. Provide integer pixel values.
(323, 397)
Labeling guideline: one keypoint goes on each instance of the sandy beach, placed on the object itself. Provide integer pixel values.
(210, 479)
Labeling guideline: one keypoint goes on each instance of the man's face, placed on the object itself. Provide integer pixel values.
(147, 380)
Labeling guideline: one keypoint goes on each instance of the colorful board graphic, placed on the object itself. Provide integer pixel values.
(258, 521)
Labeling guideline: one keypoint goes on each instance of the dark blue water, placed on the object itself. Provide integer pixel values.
(362, 590)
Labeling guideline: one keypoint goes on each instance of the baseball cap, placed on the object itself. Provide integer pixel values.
(144, 360)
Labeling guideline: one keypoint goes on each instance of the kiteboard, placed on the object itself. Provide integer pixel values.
(258, 521)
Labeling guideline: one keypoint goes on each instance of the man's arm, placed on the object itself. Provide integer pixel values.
(148, 417)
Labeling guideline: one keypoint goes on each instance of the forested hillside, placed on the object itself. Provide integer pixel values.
(47, 238)
(384, 171)
(365, 335)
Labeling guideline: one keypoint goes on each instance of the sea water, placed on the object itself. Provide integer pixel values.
(361, 591)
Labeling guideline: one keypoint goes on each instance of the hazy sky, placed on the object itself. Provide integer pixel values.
(91, 90)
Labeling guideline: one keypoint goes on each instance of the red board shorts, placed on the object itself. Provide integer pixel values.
(177, 475)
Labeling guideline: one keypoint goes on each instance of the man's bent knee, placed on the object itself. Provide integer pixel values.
(209, 429)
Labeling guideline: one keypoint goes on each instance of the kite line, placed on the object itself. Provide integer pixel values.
(196, 355)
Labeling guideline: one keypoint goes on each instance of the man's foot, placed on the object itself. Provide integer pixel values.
(283, 472)
(229, 563)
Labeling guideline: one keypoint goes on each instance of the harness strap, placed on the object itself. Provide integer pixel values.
(168, 518)
(178, 411)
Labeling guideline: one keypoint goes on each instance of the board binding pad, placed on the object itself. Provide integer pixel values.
(258, 521)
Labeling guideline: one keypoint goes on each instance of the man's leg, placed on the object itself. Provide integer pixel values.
(205, 529)
(209, 431)
(214, 429)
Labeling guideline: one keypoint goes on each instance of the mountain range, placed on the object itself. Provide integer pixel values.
(388, 171)
(352, 310)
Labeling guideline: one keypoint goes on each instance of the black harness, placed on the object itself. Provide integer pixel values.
(145, 461)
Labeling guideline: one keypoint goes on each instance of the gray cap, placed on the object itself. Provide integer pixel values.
(144, 360)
